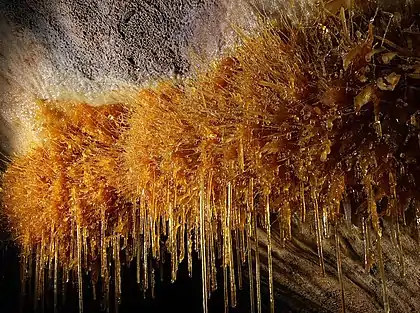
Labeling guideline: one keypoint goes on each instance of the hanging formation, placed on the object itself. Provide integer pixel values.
(312, 122)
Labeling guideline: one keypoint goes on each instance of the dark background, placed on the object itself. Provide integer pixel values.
(184, 295)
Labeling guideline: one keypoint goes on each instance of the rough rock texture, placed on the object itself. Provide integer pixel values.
(125, 40)
(66, 48)
(298, 275)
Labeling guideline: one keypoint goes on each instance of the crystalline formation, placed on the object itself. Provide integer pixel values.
(317, 123)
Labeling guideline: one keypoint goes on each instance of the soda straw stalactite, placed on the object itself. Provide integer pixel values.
(303, 122)
(203, 245)
(339, 268)
(270, 259)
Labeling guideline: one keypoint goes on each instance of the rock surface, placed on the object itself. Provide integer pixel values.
(66, 48)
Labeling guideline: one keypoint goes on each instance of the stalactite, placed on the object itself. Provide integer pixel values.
(225, 249)
(79, 267)
(229, 252)
(249, 258)
(382, 273)
(318, 229)
(257, 260)
(189, 251)
(204, 276)
(56, 247)
(117, 269)
(303, 202)
(417, 220)
(145, 255)
(372, 209)
(339, 268)
(238, 259)
(138, 259)
(270, 259)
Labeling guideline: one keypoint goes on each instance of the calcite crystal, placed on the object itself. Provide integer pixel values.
(317, 123)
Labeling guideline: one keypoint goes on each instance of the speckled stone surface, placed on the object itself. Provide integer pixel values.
(65, 48)
(127, 40)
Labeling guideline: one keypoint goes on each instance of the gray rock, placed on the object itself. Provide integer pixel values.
(126, 40)
(65, 48)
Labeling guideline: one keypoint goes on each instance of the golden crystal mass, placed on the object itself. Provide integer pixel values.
(297, 121)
